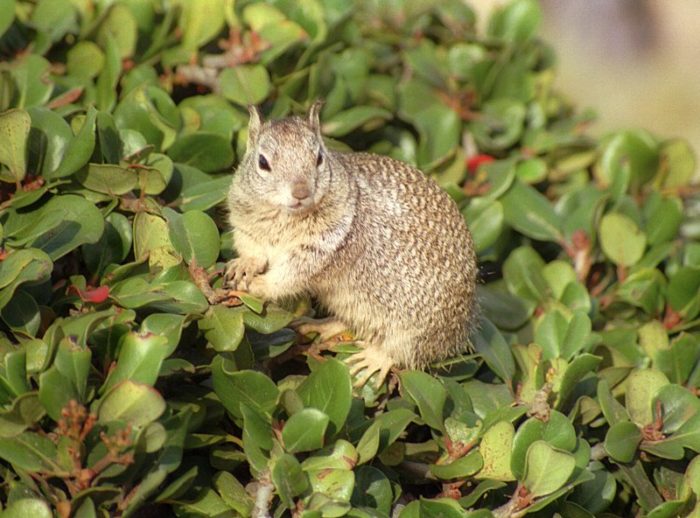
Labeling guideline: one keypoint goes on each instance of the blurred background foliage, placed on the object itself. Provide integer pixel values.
(129, 386)
(630, 60)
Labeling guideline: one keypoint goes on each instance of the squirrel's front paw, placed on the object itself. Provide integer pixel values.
(241, 271)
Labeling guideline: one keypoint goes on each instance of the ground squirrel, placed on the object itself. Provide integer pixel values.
(374, 240)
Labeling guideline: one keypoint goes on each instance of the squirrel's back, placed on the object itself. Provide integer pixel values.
(414, 265)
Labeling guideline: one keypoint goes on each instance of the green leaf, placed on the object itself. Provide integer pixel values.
(491, 345)
(211, 113)
(644, 289)
(687, 436)
(372, 490)
(25, 412)
(485, 220)
(55, 18)
(641, 388)
(663, 219)
(558, 275)
(578, 333)
(428, 394)
(195, 237)
(85, 60)
(140, 359)
(546, 469)
(495, 448)
(678, 361)
(500, 124)
(349, 120)
(106, 95)
(684, 291)
(613, 411)
(269, 320)
(504, 310)
(328, 388)
(245, 84)
(24, 507)
(257, 438)
(22, 266)
(79, 149)
(252, 388)
(461, 468)
(621, 240)
(113, 246)
(579, 368)
(622, 440)
(679, 406)
(7, 15)
(516, 22)
(109, 179)
(165, 325)
(677, 164)
(31, 452)
(205, 195)
(120, 24)
(288, 478)
(635, 150)
(48, 138)
(61, 225)
(531, 170)
(209, 152)
(557, 432)
(522, 272)
(199, 22)
(155, 175)
(223, 327)
(439, 127)
(72, 362)
(173, 297)
(56, 391)
(151, 234)
(383, 432)
(32, 76)
(14, 132)
(135, 403)
(529, 212)
(233, 493)
(305, 430)
(549, 333)
(150, 112)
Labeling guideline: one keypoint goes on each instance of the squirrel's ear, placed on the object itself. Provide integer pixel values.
(314, 116)
(254, 124)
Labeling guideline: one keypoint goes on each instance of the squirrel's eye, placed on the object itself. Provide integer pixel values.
(319, 159)
(262, 163)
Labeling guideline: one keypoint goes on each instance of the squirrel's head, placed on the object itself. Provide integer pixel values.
(286, 162)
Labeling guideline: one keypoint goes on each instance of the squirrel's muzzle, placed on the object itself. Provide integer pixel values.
(301, 195)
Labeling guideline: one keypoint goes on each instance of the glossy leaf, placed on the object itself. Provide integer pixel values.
(546, 469)
(14, 131)
(304, 431)
(329, 390)
(621, 239)
(135, 403)
(249, 387)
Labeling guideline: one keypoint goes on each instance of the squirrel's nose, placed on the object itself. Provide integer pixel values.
(301, 191)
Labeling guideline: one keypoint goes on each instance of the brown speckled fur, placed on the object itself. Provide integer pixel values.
(381, 246)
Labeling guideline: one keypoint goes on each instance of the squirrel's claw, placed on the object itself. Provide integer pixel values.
(241, 271)
(371, 360)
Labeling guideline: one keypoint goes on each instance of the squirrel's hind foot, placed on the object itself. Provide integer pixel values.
(326, 328)
(368, 362)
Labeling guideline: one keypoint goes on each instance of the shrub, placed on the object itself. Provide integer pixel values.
(129, 386)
